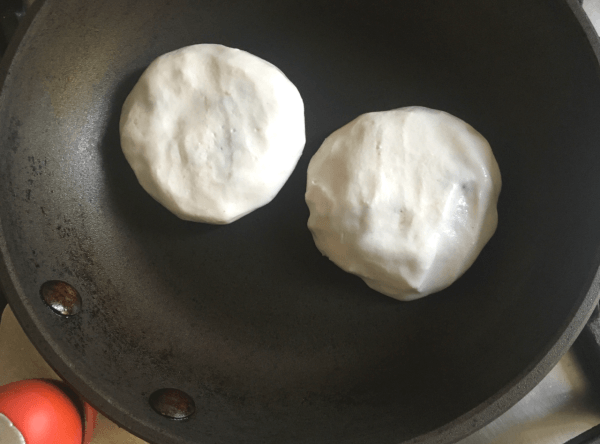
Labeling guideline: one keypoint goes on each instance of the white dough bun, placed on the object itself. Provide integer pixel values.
(211, 132)
(406, 199)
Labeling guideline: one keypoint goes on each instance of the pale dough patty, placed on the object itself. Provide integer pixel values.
(212, 133)
(405, 199)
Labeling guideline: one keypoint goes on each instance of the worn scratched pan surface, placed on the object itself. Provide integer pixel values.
(271, 340)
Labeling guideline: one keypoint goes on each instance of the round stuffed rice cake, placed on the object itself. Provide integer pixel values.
(212, 133)
(406, 199)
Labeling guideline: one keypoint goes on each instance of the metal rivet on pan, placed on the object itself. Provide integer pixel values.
(61, 297)
(172, 403)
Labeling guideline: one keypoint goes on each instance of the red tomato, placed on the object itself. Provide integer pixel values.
(42, 412)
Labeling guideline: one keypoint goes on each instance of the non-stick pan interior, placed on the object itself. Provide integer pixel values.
(273, 342)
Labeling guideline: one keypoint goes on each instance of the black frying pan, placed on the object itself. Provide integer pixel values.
(272, 342)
